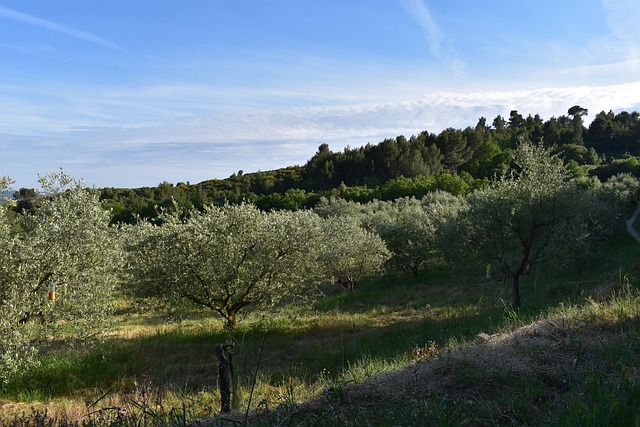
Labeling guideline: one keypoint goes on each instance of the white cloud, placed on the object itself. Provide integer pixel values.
(200, 147)
(380, 120)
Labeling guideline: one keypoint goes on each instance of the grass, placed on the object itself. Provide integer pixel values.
(574, 366)
(438, 349)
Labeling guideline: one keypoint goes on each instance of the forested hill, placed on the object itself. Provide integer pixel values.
(455, 160)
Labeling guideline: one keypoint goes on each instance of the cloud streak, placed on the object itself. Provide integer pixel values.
(56, 27)
(422, 15)
(432, 112)
(435, 37)
(201, 147)
(622, 18)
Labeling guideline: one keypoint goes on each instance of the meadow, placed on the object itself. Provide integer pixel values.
(442, 348)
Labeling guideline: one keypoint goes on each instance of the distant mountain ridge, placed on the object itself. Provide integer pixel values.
(4, 195)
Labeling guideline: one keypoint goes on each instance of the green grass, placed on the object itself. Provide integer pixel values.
(323, 353)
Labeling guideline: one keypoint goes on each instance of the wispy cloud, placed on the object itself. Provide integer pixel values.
(421, 13)
(54, 26)
(371, 122)
(622, 19)
(204, 146)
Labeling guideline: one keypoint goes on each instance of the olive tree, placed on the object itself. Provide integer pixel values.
(58, 268)
(622, 189)
(409, 227)
(533, 212)
(352, 251)
(407, 230)
(229, 259)
(335, 206)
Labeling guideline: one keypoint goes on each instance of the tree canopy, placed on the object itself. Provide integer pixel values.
(229, 259)
(531, 213)
(65, 249)
(421, 163)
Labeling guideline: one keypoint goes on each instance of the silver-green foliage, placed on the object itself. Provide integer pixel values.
(409, 232)
(236, 258)
(623, 189)
(336, 206)
(66, 242)
(534, 212)
(229, 259)
(352, 251)
(5, 181)
(410, 227)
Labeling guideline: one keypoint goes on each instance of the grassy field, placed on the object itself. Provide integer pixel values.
(443, 348)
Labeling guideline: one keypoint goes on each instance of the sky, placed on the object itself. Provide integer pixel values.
(124, 93)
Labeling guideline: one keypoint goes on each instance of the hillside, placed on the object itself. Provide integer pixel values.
(554, 371)
(454, 160)
(574, 364)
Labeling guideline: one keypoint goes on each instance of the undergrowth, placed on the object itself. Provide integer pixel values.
(440, 349)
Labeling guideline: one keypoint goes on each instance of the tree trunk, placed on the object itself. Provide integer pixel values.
(224, 376)
(231, 323)
(515, 291)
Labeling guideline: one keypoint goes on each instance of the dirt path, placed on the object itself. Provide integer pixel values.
(630, 227)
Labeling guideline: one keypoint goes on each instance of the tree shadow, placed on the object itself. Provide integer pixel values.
(385, 319)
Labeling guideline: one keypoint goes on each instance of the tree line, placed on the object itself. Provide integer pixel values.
(455, 160)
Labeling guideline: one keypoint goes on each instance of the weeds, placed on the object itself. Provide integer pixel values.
(144, 407)
(429, 350)
(568, 359)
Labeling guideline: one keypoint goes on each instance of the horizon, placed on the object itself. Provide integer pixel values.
(133, 95)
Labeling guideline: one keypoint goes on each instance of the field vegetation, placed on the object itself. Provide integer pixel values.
(511, 302)
(444, 348)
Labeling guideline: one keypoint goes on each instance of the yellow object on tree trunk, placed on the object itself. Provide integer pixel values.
(52, 291)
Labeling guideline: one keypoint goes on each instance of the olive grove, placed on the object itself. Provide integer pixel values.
(236, 258)
(61, 261)
(410, 227)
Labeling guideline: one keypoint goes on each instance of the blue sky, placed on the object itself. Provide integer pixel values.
(127, 93)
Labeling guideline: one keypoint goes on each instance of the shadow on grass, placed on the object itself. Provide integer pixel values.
(186, 359)
(384, 319)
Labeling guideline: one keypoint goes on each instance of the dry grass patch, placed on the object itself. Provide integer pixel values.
(526, 375)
